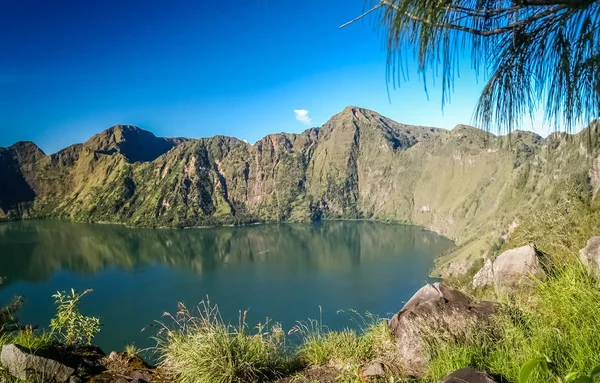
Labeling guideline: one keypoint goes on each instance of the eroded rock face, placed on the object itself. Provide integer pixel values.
(590, 255)
(436, 311)
(513, 268)
(469, 375)
(485, 276)
(29, 367)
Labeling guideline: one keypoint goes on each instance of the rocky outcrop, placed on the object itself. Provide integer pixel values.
(436, 311)
(485, 276)
(470, 375)
(513, 268)
(59, 364)
(28, 367)
(590, 255)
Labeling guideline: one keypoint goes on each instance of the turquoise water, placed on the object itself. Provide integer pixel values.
(284, 272)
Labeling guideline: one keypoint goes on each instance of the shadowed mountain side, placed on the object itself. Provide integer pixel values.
(17, 179)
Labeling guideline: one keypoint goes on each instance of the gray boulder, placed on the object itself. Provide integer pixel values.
(513, 268)
(485, 276)
(590, 255)
(440, 312)
(141, 377)
(469, 375)
(29, 367)
(374, 370)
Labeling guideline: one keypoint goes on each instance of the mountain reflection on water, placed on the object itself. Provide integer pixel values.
(42, 247)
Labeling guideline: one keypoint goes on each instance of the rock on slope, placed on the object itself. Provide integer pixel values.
(466, 184)
(437, 311)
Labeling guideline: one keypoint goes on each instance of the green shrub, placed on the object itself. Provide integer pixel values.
(341, 348)
(132, 350)
(31, 339)
(201, 348)
(8, 321)
(72, 327)
(348, 348)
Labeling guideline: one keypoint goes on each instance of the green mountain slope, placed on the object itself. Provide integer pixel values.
(466, 184)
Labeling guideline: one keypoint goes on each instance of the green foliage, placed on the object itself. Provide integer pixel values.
(30, 339)
(201, 348)
(496, 247)
(528, 368)
(560, 227)
(347, 348)
(545, 365)
(132, 350)
(8, 321)
(448, 357)
(340, 348)
(72, 327)
(532, 53)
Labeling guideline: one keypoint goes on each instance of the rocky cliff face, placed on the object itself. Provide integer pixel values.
(18, 179)
(466, 184)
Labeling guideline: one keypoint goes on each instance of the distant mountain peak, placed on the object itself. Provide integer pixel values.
(26, 145)
(400, 136)
(359, 113)
(135, 144)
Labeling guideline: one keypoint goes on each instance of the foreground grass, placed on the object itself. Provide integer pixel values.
(559, 318)
(201, 347)
(346, 349)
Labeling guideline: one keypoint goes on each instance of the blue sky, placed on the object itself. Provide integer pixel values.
(70, 69)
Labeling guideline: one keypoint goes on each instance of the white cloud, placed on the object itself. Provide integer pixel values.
(302, 116)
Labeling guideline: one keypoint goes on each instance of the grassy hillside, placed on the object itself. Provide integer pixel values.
(466, 184)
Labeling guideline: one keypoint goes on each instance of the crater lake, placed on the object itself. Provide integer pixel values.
(284, 272)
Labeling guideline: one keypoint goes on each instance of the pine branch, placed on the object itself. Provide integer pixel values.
(471, 12)
(363, 15)
(542, 3)
(482, 32)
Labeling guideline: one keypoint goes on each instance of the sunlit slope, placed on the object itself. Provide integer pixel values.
(466, 184)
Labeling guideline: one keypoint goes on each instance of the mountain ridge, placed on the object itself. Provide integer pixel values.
(117, 130)
(464, 183)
